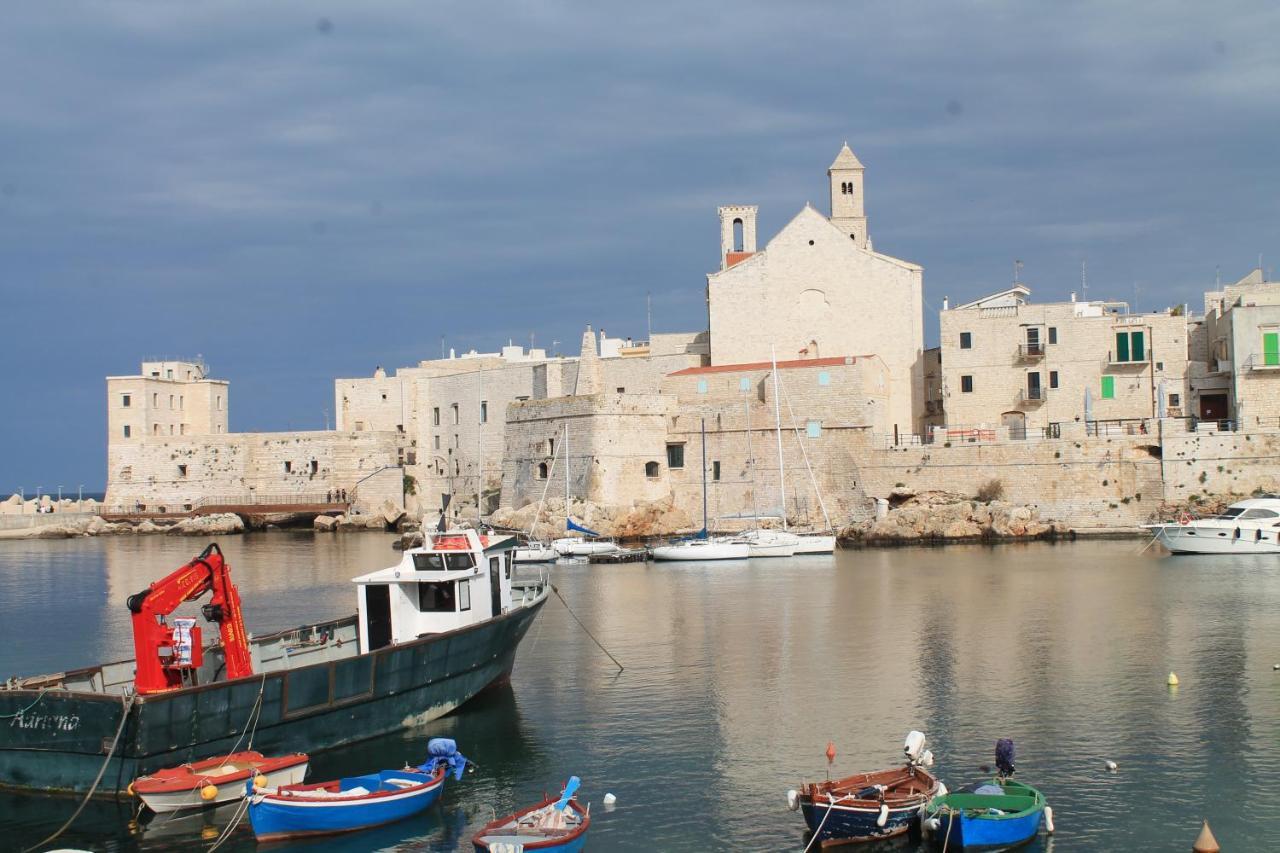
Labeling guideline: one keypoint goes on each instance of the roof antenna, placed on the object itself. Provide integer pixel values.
(1084, 278)
(1217, 276)
(1017, 269)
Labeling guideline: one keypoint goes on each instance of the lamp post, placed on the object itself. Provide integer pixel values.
(59, 494)
(80, 494)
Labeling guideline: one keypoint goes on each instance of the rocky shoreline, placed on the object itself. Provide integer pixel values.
(944, 517)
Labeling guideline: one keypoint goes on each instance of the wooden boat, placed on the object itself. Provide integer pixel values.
(556, 824)
(1005, 817)
(429, 634)
(216, 780)
(869, 806)
(343, 805)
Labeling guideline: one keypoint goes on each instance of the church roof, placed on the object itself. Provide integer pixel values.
(845, 160)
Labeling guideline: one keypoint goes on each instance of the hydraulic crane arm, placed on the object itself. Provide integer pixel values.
(161, 657)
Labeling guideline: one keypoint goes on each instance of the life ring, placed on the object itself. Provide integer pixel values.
(1184, 518)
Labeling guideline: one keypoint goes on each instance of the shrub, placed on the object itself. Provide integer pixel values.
(410, 485)
(992, 490)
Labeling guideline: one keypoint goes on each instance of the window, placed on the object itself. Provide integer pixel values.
(181, 401)
(1270, 349)
(170, 429)
(315, 467)
(126, 473)
(484, 411)
(182, 471)
(737, 235)
(824, 378)
(551, 447)
(1159, 365)
(155, 400)
(126, 401)
(1130, 347)
(1033, 386)
(966, 384)
(1175, 400)
(168, 374)
(384, 396)
(1053, 379)
(702, 386)
(542, 470)
(155, 429)
(675, 455)
(441, 562)
(1108, 387)
(464, 595)
(410, 458)
(651, 469)
(436, 440)
(435, 416)
(127, 431)
(1053, 334)
(182, 429)
(171, 399)
(288, 467)
(219, 402)
(454, 409)
(966, 340)
(715, 469)
(437, 597)
(622, 390)
(457, 441)
(813, 429)
(744, 384)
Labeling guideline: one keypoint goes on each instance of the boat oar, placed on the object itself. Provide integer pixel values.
(567, 794)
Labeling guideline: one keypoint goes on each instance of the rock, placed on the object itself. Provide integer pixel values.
(390, 512)
(325, 524)
(220, 524)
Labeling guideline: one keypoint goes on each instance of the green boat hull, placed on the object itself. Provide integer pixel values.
(57, 741)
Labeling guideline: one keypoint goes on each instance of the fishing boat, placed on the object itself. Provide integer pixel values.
(994, 816)
(216, 780)
(700, 546)
(353, 802)
(867, 806)
(429, 634)
(556, 824)
(991, 815)
(1245, 527)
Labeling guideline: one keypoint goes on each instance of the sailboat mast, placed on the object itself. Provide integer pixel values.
(777, 424)
(479, 444)
(704, 476)
(566, 475)
(751, 460)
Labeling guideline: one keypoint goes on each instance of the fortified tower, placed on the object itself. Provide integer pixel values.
(847, 211)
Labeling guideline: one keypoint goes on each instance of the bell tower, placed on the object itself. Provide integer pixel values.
(847, 211)
(737, 233)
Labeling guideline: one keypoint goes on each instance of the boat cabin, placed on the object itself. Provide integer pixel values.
(455, 579)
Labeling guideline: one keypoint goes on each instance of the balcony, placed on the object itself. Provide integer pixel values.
(1030, 351)
(1031, 396)
(1259, 363)
(1112, 363)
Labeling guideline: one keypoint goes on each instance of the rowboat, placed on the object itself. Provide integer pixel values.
(217, 780)
(343, 805)
(556, 824)
(868, 806)
(993, 816)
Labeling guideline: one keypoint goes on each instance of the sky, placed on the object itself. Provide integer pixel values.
(302, 191)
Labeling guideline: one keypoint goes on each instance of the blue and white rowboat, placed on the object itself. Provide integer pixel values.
(343, 805)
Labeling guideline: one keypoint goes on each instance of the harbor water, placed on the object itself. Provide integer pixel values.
(737, 676)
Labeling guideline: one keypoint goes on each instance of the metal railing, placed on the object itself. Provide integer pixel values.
(1259, 363)
(333, 497)
(1031, 395)
(1030, 351)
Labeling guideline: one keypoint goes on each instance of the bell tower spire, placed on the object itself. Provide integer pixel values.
(847, 211)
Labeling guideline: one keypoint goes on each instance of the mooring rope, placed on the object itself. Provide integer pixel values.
(584, 628)
(19, 713)
(831, 804)
(951, 821)
(124, 718)
(241, 810)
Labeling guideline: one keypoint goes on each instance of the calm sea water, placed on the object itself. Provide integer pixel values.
(737, 676)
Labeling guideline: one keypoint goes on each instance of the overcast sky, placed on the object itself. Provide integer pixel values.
(299, 191)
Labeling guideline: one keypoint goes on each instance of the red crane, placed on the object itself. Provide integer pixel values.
(165, 653)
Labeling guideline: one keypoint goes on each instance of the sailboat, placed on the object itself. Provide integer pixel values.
(533, 550)
(808, 543)
(573, 546)
(700, 547)
(764, 542)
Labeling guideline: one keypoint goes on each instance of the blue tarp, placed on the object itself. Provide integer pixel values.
(569, 525)
(443, 752)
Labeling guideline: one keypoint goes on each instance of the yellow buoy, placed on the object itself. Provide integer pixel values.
(1205, 842)
(130, 790)
(1173, 679)
(259, 782)
(208, 792)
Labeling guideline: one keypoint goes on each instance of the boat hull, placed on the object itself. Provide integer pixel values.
(536, 555)
(1203, 539)
(848, 824)
(500, 834)
(817, 544)
(694, 552)
(57, 740)
(976, 833)
(226, 789)
(275, 817)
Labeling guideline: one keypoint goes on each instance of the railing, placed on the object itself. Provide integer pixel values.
(1128, 362)
(1260, 363)
(333, 497)
(1031, 395)
(1030, 351)
(1117, 426)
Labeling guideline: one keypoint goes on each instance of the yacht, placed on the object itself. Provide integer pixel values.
(1247, 527)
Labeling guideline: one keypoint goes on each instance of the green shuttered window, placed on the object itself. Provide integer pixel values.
(1108, 387)
(1271, 348)
(1122, 347)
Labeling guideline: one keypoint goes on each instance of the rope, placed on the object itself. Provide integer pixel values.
(241, 810)
(124, 718)
(831, 804)
(951, 821)
(584, 628)
(43, 690)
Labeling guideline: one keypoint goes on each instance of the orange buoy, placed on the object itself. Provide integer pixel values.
(831, 751)
(1205, 842)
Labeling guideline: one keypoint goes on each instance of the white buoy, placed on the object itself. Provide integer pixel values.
(883, 817)
(793, 800)
(610, 799)
(1111, 765)
(1275, 666)
(931, 825)
(926, 759)
(1048, 819)
(942, 789)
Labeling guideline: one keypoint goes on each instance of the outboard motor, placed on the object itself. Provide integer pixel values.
(913, 746)
(443, 752)
(1004, 757)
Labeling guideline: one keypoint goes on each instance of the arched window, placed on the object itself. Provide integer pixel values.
(737, 235)
(542, 470)
(651, 469)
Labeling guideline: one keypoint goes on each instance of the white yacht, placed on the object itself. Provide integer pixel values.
(764, 542)
(692, 550)
(816, 543)
(1246, 527)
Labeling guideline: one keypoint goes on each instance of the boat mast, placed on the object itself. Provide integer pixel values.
(479, 444)
(751, 460)
(777, 424)
(566, 476)
(704, 478)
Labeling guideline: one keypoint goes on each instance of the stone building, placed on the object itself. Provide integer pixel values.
(824, 291)
(1239, 355)
(1010, 364)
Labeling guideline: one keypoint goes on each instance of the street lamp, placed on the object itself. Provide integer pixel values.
(59, 494)
(80, 494)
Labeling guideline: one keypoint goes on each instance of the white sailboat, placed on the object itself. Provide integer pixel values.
(807, 543)
(701, 547)
(764, 542)
(575, 546)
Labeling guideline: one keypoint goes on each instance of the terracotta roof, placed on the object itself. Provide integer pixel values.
(765, 365)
